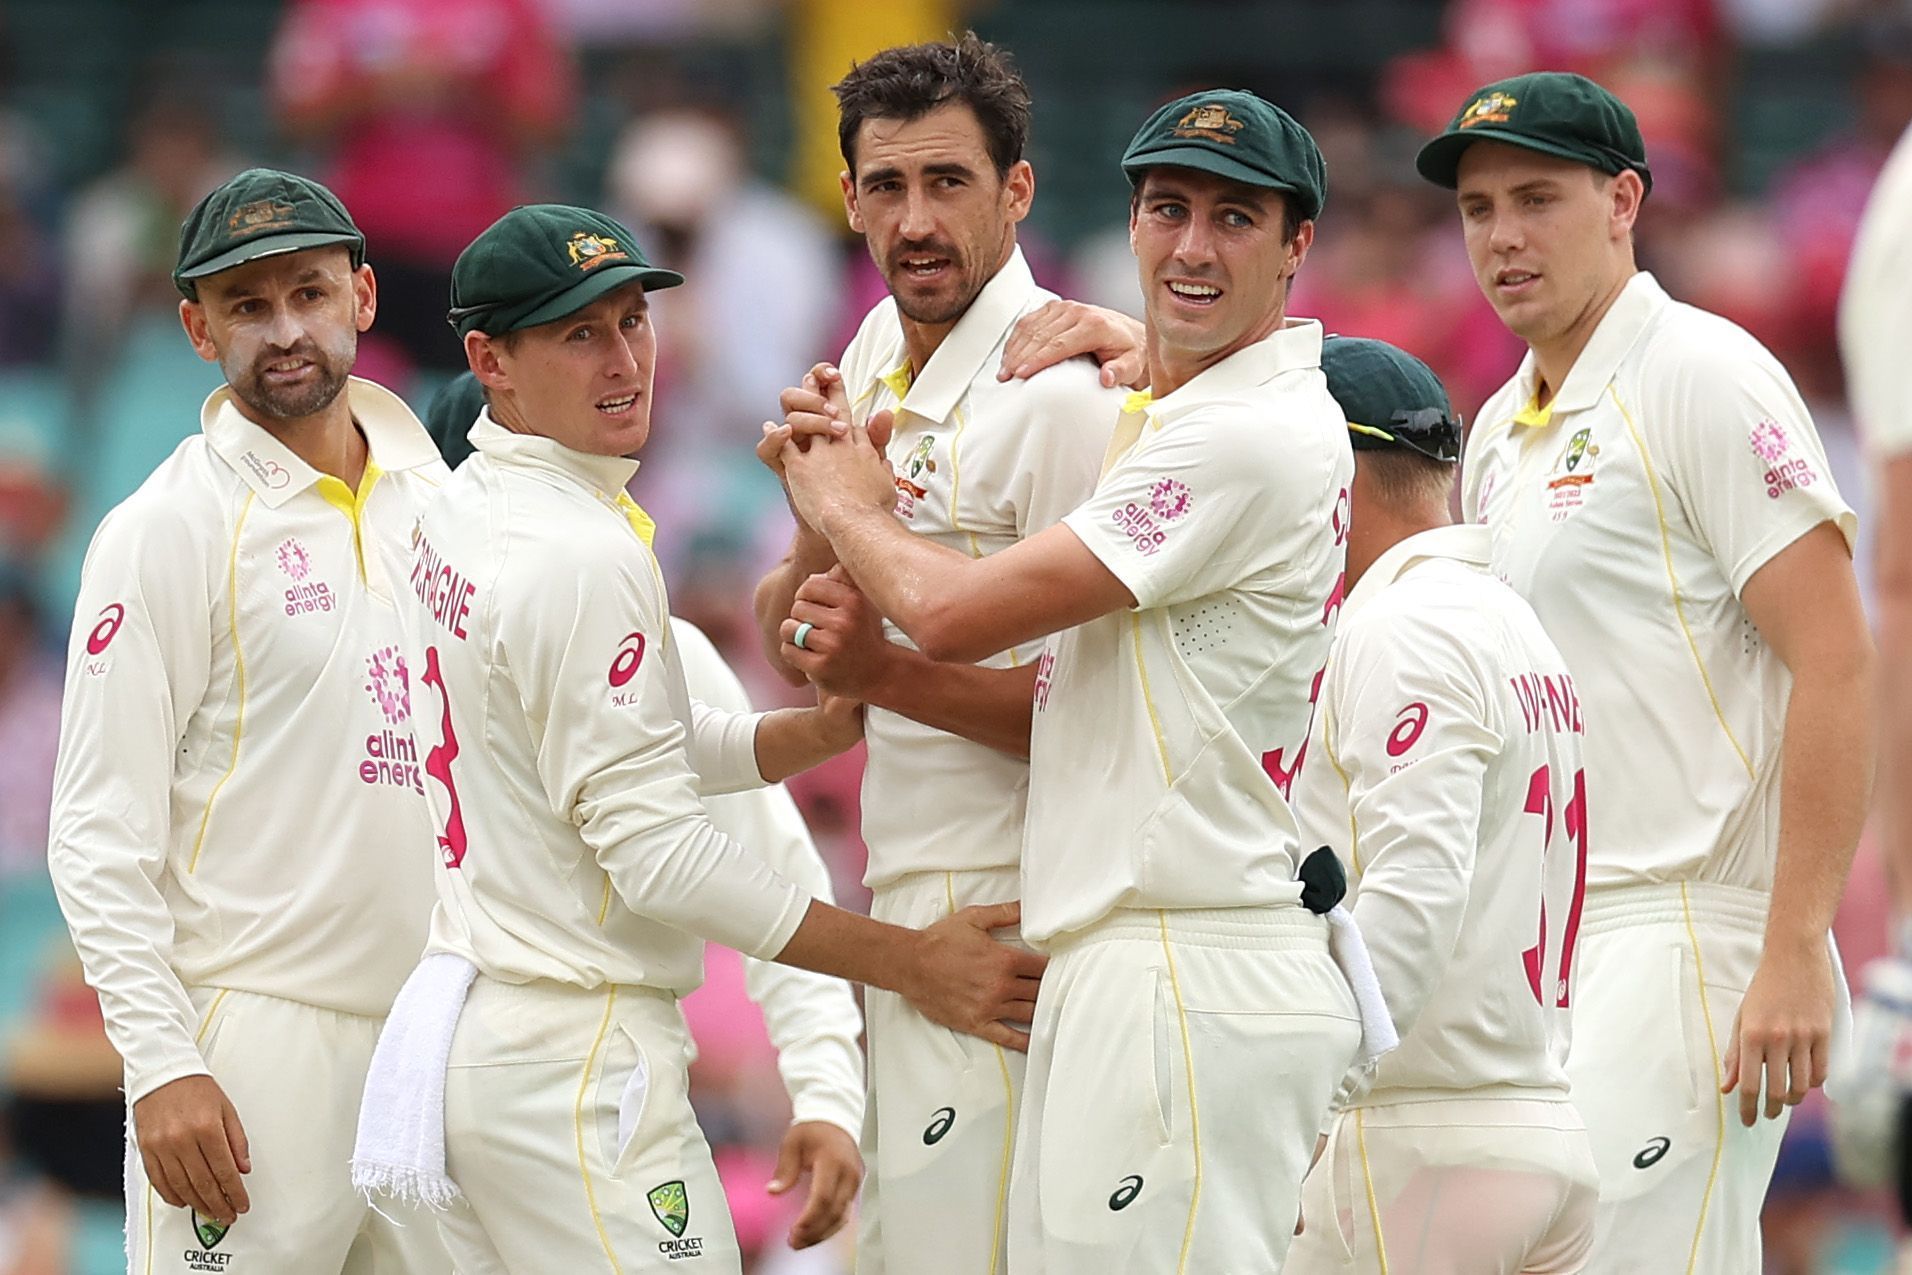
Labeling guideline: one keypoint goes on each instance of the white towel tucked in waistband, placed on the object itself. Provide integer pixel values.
(1350, 952)
(401, 1130)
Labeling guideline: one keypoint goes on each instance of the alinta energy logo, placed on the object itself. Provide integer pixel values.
(1170, 499)
(391, 754)
(390, 684)
(293, 559)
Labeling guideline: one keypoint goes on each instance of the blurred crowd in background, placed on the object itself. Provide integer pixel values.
(708, 125)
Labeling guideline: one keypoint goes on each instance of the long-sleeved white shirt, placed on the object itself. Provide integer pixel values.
(1444, 768)
(564, 798)
(812, 1018)
(236, 803)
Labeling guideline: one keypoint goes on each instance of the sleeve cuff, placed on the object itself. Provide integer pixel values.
(784, 928)
(142, 1082)
(830, 1106)
(1112, 554)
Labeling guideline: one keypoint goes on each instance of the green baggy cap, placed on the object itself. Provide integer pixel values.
(1553, 112)
(260, 213)
(1234, 134)
(1389, 398)
(541, 262)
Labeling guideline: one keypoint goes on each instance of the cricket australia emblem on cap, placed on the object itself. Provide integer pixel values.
(1495, 108)
(589, 251)
(260, 215)
(1210, 121)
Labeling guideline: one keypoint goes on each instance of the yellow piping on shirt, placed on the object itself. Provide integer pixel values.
(352, 504)
(1194, 1113)
(956, 471)
(239, 677)
(1719, 1099)
(577, 1123)
(1367, 1177)
(1148, 700)
(1673, 580)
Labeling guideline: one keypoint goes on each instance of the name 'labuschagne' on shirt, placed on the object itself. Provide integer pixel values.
(1548, 699)
(446, 593)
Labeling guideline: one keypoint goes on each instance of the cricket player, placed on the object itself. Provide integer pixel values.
(1875, 334)
(538, 1049)
(238, 838)
(932, 138)
(1193, 1023)
(1445, 771)
(1653, 486)
(812, 1019)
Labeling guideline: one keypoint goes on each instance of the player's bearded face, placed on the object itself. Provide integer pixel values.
(938, 218)
(1213, 261)
(584, 380)
(285, 329)
(1541, 237)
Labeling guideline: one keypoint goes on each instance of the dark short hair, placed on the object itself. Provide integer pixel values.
(911, 80)
(1405, 479)
(1291, 217)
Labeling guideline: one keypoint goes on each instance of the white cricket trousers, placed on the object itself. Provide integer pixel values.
(1662, 969)
(295, 1074)
(1450, 1186)
(569, 1131)
(940, 1125)
(1182, 1064)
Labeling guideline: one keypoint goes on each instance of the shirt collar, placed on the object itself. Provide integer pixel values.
(602, 476)
(1466, 542)
(964, 352)
(1618, 331)
(394, 439)
(1294, 346)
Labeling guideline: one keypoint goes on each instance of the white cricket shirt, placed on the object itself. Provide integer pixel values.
(562, 779)
(1445, 771)
(811, 1018)
(236, 803)
(1166, 738)
(1875, 311)
(1675, 461)
(980, 464)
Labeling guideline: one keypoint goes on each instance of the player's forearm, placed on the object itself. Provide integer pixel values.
(922, 588)
(813, 1022)
(122, 931)
(992, 706)
(810, 554)
(847, 946)
(792, 740)
(1826, 765)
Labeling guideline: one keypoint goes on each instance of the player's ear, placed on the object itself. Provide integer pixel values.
(1625, 192)
(850, 213)
(192, 317)
(1019, 186)
(365, 297)
(482, 355)
(1298, 248)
